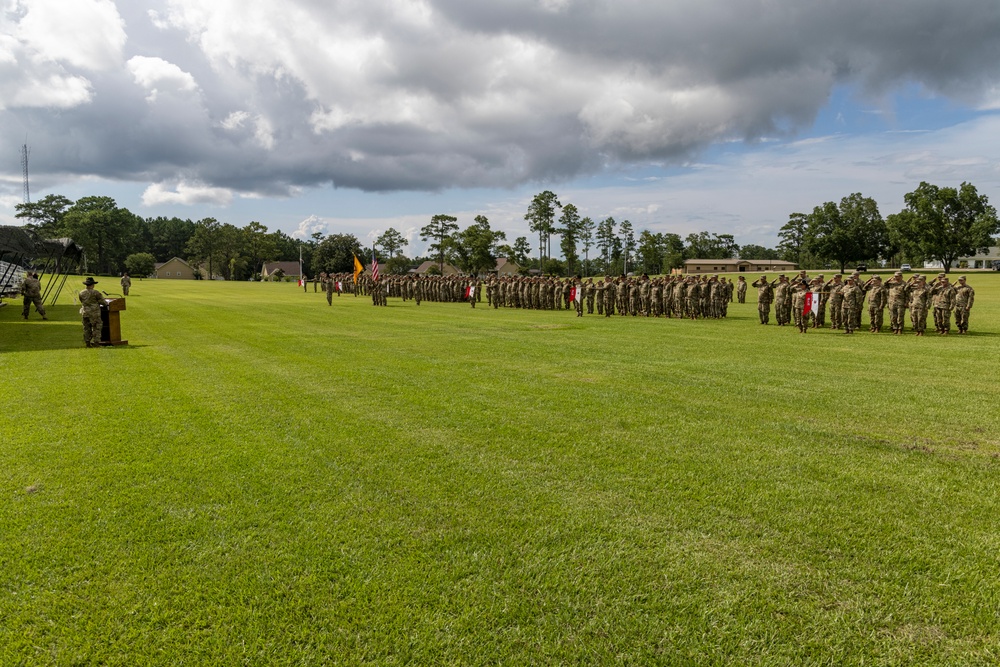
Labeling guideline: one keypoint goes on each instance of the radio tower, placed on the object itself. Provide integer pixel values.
(24, 167)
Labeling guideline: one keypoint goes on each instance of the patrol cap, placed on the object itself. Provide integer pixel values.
(941, 275)
(962, 278)
(898, 273)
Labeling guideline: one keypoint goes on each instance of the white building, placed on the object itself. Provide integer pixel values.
(988, 260)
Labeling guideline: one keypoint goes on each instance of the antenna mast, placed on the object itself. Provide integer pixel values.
(24, 168)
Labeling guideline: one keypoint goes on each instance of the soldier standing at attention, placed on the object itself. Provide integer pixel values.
(90, 307)
(31, 290)
(965, 296)
(765, 294)
(589, 293)
(741, 290)
(329, 284)
(126, 283)
(919, 295)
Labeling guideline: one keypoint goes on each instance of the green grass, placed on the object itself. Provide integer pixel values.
(259, 478)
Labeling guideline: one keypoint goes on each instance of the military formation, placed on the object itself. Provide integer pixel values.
(801, 301)
(689, 297)
(804, 302)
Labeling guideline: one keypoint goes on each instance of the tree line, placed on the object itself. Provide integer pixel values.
(937, 223)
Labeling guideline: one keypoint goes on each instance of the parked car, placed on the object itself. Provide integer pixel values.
(905, 267)
(862, 268)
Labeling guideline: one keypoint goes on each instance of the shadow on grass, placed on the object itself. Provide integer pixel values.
(62, 331)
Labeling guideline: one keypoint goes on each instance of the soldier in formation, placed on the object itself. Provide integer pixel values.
(765, 294)
(965, 296)
(692, 297)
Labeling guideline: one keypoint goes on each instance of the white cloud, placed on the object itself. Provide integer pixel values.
(89, 34)
(157, 75)
(52, 91)
(310, 226)
(430, 95)
(186, 194)
(235, 120)
(43, 41)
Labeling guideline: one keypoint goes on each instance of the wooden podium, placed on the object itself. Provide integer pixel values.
(111, 327)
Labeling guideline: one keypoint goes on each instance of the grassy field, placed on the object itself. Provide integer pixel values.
(259, 478)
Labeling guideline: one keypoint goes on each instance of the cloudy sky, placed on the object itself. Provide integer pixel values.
(356, 115)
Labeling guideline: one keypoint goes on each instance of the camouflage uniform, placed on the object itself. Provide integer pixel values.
(836, 299)
(693, 299)
(896, 297)
(799, 291)
(126, 283)
(943, 299)
(876, 303)
(782, 300)
(819, 320)
(741, 290)
(31, 290)
(965, 296)
(90, 307)
(765, 293)
(850, 295)
(919, 295)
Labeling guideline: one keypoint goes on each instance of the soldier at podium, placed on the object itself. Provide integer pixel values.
(90, 308)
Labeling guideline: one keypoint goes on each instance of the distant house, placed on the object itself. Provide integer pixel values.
(288, 270)
(446, 270)
(987, 260)
(174, 269)
(737, 265)
(505, 267)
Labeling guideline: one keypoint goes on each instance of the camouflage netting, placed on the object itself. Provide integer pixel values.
(22, 248)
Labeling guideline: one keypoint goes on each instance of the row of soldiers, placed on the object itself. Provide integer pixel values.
(805, 301)
(690, 297)
(800, 301)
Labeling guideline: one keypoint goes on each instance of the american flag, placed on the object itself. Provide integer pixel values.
(374, 265)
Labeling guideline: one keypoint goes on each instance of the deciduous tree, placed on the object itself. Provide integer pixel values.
(944, 223)
(439, 230)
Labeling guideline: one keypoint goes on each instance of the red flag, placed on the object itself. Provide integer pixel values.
(812, 304)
